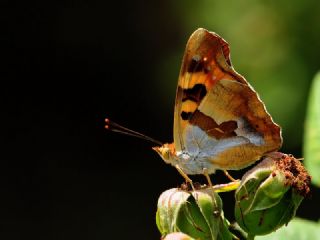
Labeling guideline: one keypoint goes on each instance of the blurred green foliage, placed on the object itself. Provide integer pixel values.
(274, 44)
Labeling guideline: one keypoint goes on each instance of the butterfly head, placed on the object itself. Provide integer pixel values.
(166, 152)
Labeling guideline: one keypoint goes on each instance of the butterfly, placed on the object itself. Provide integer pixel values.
(220, 123)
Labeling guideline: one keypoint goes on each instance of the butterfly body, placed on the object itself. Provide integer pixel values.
(219, 120)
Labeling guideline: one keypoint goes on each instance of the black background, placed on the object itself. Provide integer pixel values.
(67, 66)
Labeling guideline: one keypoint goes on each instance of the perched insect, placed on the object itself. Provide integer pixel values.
(219, 120)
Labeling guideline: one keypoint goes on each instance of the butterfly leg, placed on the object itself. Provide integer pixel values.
(206, 174)
(229, 176)
(185, 176)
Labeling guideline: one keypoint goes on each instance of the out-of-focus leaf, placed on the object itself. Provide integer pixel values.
(297, 229)
(312, 132)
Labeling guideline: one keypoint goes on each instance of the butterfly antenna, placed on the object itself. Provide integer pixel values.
(115, 127)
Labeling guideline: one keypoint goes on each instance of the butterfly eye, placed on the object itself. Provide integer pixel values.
(164, 152)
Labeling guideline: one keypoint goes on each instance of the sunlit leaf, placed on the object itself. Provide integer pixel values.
(312, 132)
(297, 229)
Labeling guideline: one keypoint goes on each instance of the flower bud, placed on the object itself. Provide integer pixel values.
(270, 193)
(197, 214)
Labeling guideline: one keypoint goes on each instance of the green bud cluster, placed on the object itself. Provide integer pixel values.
(266, 199)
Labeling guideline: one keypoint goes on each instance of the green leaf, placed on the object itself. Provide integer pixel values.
(210, 206)
(191, 221)
(224, 233)
(312, 132)
(297, 229)
(269, 193)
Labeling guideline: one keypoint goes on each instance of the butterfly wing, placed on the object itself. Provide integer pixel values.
(218, 115)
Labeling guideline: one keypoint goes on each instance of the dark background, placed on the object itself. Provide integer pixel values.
(68, 65)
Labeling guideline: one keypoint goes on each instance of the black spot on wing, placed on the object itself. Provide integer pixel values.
(196, 64)
(186, 115)
(248, 127)
(195, 94)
